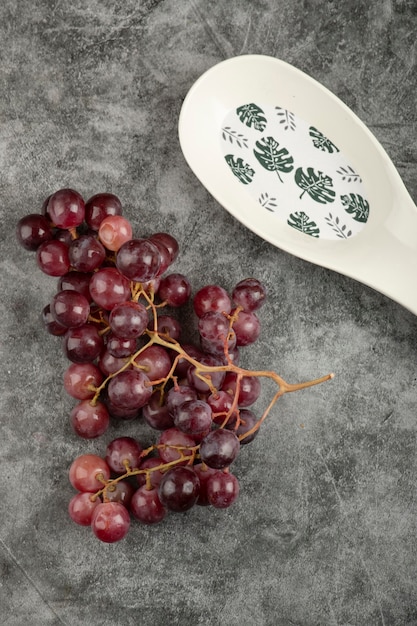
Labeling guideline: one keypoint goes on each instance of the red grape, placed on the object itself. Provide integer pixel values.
(250, 294)
(108, 287)
(110, 521)
(211, 298)
(219, 448)
(32, 230)
(89, 421)
(222, 489)
(66, 208)
(123, 452)
(100, 206)
(84, 471)
(81, 508)
(52, 258)
(70, 308)
(86, 253)
(129, 389)
(139, 260)
(81, 379)
(146, 506)
(178, 490)
(114, 231)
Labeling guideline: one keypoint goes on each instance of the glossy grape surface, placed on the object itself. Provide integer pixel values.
(179, 488)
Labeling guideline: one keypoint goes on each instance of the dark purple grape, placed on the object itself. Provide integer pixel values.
(51, 324)
(101, 206)
(155, 362)
(219, 448)
(171, 439)
(164, 256)
(146, 506)
(250, 294)
(61, 234)
(178, 490)
(178, 395)
(78, 281)
(183, 364)
(157, 415)
(222, 489)
(247, 328)
(66, 208)
(110, 364)
(214, 332)
(175, 290)
(203, 472)
(122, 413)
(168, 325)
(89, 421)
(211, 298)
(52, 258)
(155, 475)
(139, 260)
(193, 417)
(120, 347)
(32, 230)
(83, 344)
(108, 288)
(220, 404)
(123, 453)
(128, 319)
(70, 308)
(129, 389)
(247, 422)
(249, 389)
(86, 253)
(170, 243)
(122, 492)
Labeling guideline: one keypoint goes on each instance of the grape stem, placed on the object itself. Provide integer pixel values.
(188, 454)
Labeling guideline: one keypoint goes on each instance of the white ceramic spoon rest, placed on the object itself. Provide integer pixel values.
(295, 165)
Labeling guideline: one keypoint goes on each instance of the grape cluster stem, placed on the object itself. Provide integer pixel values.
(203, 372)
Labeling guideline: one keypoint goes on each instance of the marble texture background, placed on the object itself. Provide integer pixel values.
(324, 532)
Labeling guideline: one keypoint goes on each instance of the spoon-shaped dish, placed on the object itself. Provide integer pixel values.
(295, 165)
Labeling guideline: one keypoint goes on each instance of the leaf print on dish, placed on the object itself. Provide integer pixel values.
(300, 221)
(317, 185)
(234, 137)
(356, 206)
(267, 202)
(348, 174)
(286, 118)
(340, 230)
(321, 142)
(272, 157)
(241, 170)
(252, 116)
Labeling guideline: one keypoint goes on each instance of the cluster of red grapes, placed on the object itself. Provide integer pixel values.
(127, 360)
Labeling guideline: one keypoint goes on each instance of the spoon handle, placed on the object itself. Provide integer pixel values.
(388, 262)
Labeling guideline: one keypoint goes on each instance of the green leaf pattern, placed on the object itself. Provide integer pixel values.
(272, 157)
(300, 221)
(294, 171)
(316, 184)
(356, 206)
(321, 142)
(252, 115)
(241, 170)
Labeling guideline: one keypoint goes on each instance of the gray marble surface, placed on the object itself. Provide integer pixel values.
(324, 531)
